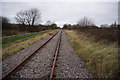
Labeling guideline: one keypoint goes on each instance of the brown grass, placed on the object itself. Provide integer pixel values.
(107, 35)
(101, 59)
(15, 47)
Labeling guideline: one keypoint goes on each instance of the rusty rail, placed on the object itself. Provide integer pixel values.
(6, 76)
(55, 58)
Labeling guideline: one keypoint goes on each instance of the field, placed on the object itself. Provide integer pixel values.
(15, 44)
(100, 56)
(106, 35)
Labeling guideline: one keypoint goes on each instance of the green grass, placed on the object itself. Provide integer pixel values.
(101, 59)
(16, 39)
(22, 43)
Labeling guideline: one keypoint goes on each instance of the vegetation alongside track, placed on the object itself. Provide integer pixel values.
(8, 41)
(101, 59)
(15, 44)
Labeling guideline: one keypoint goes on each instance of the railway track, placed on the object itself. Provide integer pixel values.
(55, 57)
(52, 60)
(8, 74)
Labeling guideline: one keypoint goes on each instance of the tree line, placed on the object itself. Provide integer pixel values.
(28, 21)
(86, 23)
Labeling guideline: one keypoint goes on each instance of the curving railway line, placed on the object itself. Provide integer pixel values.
(55, 58)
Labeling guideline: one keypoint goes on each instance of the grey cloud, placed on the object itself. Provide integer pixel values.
(61, 1)
(66, 12)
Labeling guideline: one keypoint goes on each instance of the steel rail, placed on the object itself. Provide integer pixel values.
(55, 58)
(6, 76)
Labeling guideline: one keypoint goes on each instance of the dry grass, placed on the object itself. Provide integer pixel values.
(17, 46)
(101, 59)
(107, 35)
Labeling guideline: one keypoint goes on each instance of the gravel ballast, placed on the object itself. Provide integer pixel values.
(39, 65)
(12, 61)
(69, 65)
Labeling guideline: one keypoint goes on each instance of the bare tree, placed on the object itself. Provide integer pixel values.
(85, 22)
(35, 15)
(5, 22)
(28, 17)
(20, 17)
(48, 23)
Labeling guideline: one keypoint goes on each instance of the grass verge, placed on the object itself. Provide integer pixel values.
(16, 39)
(22, 43)
(101, 59)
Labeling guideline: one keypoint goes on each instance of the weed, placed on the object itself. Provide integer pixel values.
(101, 59)
(14, 47)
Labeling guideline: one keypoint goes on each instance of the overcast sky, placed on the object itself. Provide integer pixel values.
(64, 11)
